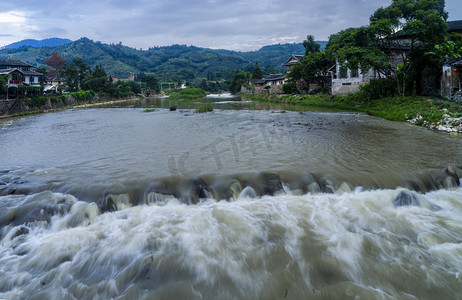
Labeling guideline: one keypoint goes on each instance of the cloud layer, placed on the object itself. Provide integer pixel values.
(231, 24)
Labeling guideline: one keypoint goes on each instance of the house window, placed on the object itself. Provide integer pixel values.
(16, 79)
(343, 73)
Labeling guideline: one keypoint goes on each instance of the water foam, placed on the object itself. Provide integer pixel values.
(315, 245)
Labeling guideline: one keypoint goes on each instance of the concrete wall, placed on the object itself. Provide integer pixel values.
(344, 84)
(346, 87)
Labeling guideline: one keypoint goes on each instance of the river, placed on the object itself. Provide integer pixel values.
(239, 203)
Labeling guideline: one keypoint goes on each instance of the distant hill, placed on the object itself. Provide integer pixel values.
(167, 63)
(52, 42)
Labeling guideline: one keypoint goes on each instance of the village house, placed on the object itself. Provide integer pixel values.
(292, 61)
(21, 73)
(451, 79)
(271, 84)
(54, 84)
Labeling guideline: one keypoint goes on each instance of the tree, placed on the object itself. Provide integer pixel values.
(96, 80)
(239, 79)
(409, 29)
(397, 41)
(257, 73)
(356, 48)
(75, 73)
(56, 63)
(310, 45)
(312, 68)
(3, 83)
(151, 82)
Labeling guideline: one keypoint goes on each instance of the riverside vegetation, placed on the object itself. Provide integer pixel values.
(431, 112)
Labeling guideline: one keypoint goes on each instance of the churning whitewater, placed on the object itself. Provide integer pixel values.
(122, 204)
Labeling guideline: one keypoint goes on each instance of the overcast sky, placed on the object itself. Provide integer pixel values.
(225, 24)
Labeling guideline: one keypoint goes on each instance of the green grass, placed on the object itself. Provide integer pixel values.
(149, 110)
(27, 113)
(206, 107)
(391, 108)
(190, 93)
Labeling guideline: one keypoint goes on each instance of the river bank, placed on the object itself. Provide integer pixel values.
(435, 114)
(45, 104)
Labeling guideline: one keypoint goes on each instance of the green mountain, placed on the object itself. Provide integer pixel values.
(51, 42)
(168, 63)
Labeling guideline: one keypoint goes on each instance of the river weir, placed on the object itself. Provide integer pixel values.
(236, 203)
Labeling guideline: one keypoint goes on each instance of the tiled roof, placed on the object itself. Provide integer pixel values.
(30, 73)
(13, 63)
(293, 56)
(455, 25)
(271, 77)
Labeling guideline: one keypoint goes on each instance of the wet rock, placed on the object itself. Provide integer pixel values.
(406, 199)
(21, 231)
(450, 171)
(272, 184)
(248, 192)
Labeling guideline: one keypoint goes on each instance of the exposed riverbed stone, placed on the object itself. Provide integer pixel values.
(406, 199)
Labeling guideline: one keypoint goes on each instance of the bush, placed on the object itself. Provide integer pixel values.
(315, 91)
(191, 93)
(290, 88)
(82, 95)
(36, 101)
(377, 89)
(206, 107)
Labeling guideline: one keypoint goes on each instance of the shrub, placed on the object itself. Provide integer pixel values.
(206, 107)
(290, 88)
(377, 89)
(36, 101)
(191, 93)
(315, 91)
(82, 95)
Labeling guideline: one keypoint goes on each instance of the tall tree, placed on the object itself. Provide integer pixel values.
(96, 80)
(55, 63)
(257, 73)
(239, 79)
(312, 69)
(408, 29)
(397, 40)
(310, 45)
(75, 73)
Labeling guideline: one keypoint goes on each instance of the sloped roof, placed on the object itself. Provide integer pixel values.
(455, 25)
(297, 57)
(10, 70)
(13, 63)
(271, 77)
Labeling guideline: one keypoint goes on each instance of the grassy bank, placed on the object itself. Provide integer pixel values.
(188, 94)
(424, 111)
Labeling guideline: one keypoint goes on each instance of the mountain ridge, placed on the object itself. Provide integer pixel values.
(49, 42)
(168, 63)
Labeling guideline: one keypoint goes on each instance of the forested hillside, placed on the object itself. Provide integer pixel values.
(51, 42)
(168, 63)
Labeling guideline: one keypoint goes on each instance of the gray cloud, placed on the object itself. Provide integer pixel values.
(238, 24)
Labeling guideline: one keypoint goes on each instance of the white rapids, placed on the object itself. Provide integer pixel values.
(317, 246)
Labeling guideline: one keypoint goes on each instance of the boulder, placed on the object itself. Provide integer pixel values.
(405, 198)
